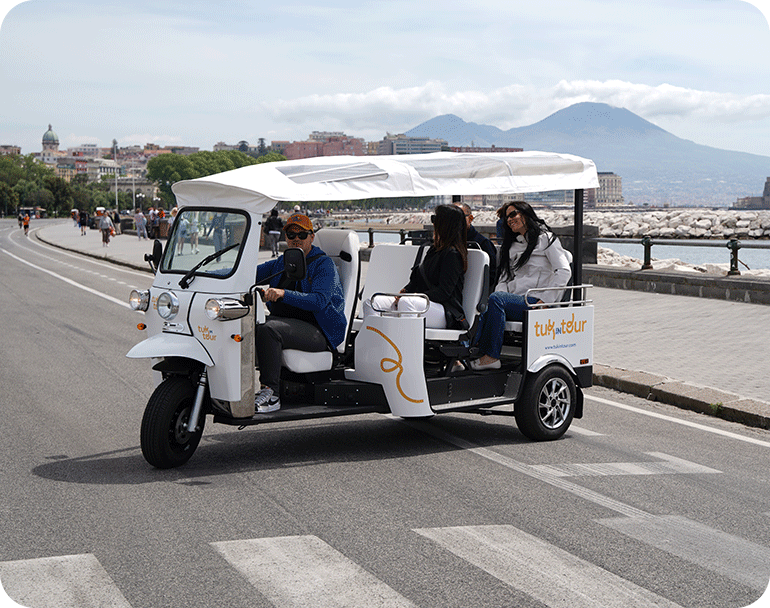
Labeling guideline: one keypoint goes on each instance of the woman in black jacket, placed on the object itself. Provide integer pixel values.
(439, 276)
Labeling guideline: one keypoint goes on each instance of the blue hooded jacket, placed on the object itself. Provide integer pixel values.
(320, 293)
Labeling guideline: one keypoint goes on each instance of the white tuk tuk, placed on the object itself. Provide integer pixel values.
(201, 311)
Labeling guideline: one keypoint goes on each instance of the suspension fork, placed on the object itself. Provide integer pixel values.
(203, 381)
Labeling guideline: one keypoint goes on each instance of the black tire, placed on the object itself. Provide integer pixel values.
(547, 404)
(164, 440)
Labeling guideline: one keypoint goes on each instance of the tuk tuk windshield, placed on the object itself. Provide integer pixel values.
(196, 234)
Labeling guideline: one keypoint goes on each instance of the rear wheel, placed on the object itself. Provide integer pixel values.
(165, 440)
(547, 404)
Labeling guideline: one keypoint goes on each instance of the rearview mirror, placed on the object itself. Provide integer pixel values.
(294, 264)
(154, 258)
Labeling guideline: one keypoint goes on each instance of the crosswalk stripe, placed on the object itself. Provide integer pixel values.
(736, 558)
(548, 574)
(306, 571)
(670, 465)
(68, 581)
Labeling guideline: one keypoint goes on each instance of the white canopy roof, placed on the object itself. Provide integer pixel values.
(339, 178)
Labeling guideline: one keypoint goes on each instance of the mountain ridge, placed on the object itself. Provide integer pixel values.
(656, 166)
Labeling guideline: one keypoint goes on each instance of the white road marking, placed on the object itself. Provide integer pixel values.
(69, 581)
(543, 571)
(695, 425)
(719, 544)
(305, 571)
(670, 465)
(528, 470)
(585, 432)
(69, 281)
(91, 260)
(736, 558)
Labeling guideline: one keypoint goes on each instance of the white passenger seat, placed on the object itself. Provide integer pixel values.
(342, 247)
(389, 270)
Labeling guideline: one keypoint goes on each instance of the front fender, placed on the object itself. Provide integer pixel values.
(171, 345)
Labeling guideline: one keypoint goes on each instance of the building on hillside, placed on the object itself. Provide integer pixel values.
(221, 146)
(279, 146)
(183, 150)
(87, 150)
(101, 167)
(9, 150)
(491, 150)
(324, 144)
(403, 144)
(755, 202)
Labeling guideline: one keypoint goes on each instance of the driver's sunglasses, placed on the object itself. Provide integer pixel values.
(297, 235)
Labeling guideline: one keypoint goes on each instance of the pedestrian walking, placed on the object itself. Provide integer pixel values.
(106, 227)
(83, 222)
(141, 224)
(272, 228)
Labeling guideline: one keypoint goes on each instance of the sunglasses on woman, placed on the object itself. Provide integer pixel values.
(297, 235)
(513, 213)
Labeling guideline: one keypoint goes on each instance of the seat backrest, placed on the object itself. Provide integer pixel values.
(342, 246)
(476, 283)
(390, 266)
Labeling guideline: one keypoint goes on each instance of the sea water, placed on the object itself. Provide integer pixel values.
(755, 259)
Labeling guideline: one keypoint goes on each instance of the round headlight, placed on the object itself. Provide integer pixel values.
(213, 309)
(225, 308)
(168, 305)
(139, 300)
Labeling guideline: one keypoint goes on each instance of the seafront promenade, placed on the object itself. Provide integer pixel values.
(703, 354)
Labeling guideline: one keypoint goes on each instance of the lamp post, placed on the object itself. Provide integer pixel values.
(140, 198)
(115, 158)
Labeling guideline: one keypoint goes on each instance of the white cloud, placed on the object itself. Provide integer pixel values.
(522, 104)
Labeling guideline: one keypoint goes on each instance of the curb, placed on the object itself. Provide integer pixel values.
(693, 397)
(104, 258)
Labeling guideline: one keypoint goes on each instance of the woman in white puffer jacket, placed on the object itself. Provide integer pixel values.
(531, 256)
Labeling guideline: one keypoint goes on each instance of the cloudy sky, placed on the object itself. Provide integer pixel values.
(195, 73)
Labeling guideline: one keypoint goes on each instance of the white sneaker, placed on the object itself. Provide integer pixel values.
(273, 404)
(263, 396)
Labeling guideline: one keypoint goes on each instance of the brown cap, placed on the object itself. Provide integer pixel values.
(301, 220)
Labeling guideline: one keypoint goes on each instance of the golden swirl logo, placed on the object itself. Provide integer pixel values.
(396, 365)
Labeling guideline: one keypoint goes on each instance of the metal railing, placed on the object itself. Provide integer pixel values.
(733, 245)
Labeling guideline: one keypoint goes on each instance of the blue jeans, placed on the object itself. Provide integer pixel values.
(502, 307)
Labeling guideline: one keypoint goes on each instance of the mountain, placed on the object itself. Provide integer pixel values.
(657, 167)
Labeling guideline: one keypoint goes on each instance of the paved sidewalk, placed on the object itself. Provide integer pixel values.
(701, 354)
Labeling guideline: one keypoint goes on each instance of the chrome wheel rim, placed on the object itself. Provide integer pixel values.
(554, 403)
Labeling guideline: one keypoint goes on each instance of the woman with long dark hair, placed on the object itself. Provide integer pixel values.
(439, 276)
(530, 256)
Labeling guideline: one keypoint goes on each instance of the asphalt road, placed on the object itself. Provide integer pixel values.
(639, 505)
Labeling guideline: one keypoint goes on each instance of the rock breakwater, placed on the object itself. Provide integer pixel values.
(672, 223)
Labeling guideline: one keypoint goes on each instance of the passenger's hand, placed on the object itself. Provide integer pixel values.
(273, 294)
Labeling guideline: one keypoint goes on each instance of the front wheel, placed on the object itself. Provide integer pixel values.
(165, 439)
(547, 404)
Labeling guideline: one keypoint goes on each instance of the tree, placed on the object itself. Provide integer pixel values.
(167, 169)
(9, 200)
(271, 157)
(243, 146)
(261, 147)
(62, 195)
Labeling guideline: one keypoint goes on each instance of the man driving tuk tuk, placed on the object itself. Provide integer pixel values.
(306, 315)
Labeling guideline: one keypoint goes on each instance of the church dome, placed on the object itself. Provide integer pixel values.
(49, 137)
